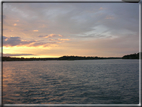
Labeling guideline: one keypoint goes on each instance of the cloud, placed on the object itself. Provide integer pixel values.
(63, 39)
(15, 24)
(37, 44)
(50, 35)
(51, 24)
(44, 44)
(73, 19)
(35, 30)
(41, 36)
(4, 38)
(17, 54)
(15, 41)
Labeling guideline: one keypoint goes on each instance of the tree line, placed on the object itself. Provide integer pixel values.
(60, 58)
(130, 56)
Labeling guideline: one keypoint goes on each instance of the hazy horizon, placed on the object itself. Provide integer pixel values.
(18, 56)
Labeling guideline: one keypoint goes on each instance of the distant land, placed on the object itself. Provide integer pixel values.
(60, 58)
(130, 56)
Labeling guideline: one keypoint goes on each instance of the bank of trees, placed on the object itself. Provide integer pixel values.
(26, 59)
(131, 56)
(60, 58)
(85, 58)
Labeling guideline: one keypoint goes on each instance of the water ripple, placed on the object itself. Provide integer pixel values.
(71, 82)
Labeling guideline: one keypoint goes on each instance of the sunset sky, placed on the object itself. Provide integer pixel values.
(82, 29)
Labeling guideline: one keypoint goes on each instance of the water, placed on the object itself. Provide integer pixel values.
(71, 82)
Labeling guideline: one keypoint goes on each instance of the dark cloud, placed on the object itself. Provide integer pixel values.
(17, 54)
(42, 36)
(14, 41)
(4, 38)
(76, 18)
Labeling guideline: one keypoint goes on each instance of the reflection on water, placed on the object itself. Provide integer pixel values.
(71, 82)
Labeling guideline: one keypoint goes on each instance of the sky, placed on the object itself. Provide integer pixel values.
(80, 29)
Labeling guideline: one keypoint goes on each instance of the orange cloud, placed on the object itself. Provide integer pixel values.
(35, 30)
(15, 24)
(53, 35)
(63, 39)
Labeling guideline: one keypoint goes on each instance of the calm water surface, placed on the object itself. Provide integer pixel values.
(71, 82)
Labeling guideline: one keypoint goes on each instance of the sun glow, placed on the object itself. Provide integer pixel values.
(31, 56)
(33, 51)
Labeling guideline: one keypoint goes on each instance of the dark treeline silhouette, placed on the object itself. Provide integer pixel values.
(132, 56)
(60, 58)
(26, 59)
(85, 58)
